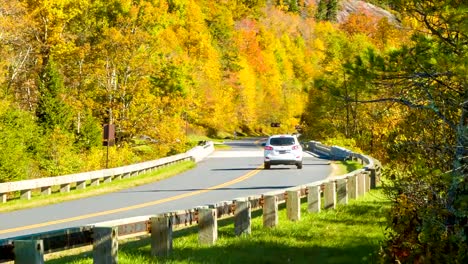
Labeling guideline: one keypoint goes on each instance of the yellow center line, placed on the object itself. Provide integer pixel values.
(133, 207)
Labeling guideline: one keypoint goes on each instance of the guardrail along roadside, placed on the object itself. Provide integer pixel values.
(94, 178)
(104, 237)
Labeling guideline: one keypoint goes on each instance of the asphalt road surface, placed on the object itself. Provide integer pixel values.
(223, 176)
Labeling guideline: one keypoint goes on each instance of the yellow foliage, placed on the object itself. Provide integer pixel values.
(247, 94)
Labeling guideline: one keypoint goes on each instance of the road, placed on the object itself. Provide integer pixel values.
(224, 175)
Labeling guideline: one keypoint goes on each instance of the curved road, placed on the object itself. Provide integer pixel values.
(224, 175)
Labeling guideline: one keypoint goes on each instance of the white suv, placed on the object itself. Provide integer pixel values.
(282, 149)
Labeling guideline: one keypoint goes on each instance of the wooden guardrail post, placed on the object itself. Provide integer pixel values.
(105, 245)
(4, 197)
(373, 178)
(293, 205)
(329, 195)
(26, 194)
(46, 190)
(314, 201)
(207, 226)
(81, 185)
(341, 191)
(368, 181)
(29, 251)
(352, 187)
(270, 211)
(65, 188)
(107, 179)
(161, 236)
(242, 217)
(95, 182)
(361, 182)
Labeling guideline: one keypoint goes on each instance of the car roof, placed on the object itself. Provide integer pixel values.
(282, 135)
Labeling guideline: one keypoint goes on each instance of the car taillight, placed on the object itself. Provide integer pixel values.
(268, 148)
(295, 147)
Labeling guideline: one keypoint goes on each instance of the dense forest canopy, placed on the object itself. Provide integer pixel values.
(157, 70)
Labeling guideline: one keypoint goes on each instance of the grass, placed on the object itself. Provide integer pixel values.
(56, 197)
(218, 143)
(343, 167)
(348, 234)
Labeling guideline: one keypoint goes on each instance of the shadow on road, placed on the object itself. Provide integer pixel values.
(238, 169)
(208, 189)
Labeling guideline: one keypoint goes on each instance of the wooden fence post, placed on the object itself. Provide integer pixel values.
(342, 191)
(270, 211)
(314, 200)
(373, 178)
(361, 182)
(25, 194)
(352, 187)
(293, 205)
(65, 188)
(108, 179)
(161, 236)
(46, 190)
(242, 218)
(81, 185)
(207, 226)
(95, 182)
(29, 252)
(368, 181)
(329, 195)
(105, 245)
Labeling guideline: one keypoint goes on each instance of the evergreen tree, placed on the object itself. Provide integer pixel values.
(332, 10)
(321, 10)
(51, 111)
(327, 10)
(293, 6)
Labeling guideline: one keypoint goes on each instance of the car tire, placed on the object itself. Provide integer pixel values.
(267, 165)
(299, 165)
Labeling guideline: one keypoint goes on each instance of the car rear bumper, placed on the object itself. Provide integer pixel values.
(283, 162)
(283, 159)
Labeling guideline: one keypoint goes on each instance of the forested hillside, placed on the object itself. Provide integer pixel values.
(160, 70)
(388, 78)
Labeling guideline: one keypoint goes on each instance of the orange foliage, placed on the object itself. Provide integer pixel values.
(249, 44)
(361, 22)
(378, 29)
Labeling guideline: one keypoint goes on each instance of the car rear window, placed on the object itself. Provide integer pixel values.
(284, 141)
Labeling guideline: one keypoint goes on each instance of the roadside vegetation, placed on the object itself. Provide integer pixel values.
(350, 234)
(343, 167)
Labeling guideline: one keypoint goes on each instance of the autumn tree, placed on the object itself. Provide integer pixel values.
(426, 79)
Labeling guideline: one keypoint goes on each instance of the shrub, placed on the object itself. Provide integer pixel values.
(421, 225)
(19, 139)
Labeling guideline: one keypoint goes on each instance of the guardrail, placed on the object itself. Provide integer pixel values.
(104, 236)
(80, 180)
(339, 153)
